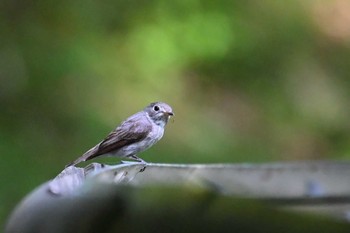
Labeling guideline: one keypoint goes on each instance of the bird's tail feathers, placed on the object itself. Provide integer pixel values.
(86, 156)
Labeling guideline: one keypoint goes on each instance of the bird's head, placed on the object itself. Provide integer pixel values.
(159, 112)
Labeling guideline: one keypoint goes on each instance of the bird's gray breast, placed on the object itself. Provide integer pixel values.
(154, 135)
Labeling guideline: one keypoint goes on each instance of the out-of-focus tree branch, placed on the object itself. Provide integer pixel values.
(188, 198)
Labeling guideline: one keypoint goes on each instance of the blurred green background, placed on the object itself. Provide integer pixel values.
(248, 81)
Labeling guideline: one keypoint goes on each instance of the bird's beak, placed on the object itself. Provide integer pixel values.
(170, 113)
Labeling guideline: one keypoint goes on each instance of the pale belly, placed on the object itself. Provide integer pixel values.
(152, 138)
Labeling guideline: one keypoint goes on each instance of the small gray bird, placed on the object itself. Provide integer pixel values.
(136, 134)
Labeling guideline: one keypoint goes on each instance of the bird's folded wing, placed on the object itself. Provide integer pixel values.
(126, 134)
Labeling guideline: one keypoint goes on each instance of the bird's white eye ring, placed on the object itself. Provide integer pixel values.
(156, 108)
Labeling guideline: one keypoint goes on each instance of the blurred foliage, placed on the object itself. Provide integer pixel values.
(249, 81)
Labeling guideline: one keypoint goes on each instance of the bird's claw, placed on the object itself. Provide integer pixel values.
(144, 163)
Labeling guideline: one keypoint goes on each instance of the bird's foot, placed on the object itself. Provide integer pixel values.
(139, 161)
(143, 169)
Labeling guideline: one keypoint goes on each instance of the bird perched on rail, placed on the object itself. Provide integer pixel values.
(134, 135)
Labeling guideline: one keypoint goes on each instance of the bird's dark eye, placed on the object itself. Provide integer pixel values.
(156, 108)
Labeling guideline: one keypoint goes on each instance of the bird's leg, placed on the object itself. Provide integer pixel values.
(134, 157)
